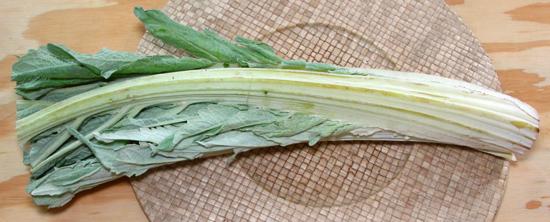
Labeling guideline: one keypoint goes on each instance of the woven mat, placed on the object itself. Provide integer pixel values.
(349, 181)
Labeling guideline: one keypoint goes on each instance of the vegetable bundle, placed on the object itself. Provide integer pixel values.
(86, 119)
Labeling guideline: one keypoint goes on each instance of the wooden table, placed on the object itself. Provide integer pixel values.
(515, 33)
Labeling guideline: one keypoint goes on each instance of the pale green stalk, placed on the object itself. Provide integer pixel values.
(461, 114)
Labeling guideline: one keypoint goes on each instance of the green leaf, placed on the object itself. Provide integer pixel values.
(103, 63)
(161, 64)
(153, 135)
(210, 128)
(207, 44)
(55, 66)
(60, 185)
(126, 159)
(45, 64)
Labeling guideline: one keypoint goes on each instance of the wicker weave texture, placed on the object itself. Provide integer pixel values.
(350, 181)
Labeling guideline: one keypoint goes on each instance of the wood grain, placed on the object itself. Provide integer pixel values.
(515, 33)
